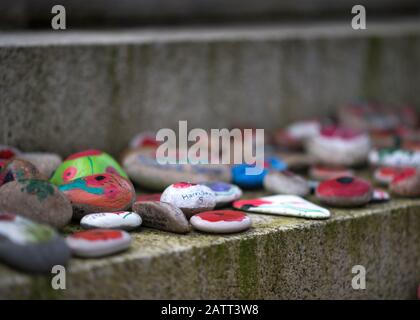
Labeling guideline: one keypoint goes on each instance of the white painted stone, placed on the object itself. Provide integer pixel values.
(284, 205)
(221, 221)
(380, 196)
(125, 220)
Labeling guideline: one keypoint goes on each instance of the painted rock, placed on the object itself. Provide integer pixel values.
(162, 216)
(344, 192)
(29, 246)
(99, 193)
(144, 139)
(7, 152)
(225, 192)
(380, 196)
(286, 182)
(283, 205)
(326, 173)
(148, 197)
(296, 161)
(143, 168)
(385, 175)
(294, 135)
(98, 242)
(45, 162)
(406, 184)
(189, 197)
(395, 158)
(86, 163)
(221, 221)
(18, 170)
(124, 220)
(38, 200)
(339, 147)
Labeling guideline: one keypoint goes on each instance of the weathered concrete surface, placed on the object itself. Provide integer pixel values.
(287, 258)
(88, 86)
(29, 13)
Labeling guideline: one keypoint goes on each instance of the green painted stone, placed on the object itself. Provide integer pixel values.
(84, 164)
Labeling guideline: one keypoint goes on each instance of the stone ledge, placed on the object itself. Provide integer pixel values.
(286, 258)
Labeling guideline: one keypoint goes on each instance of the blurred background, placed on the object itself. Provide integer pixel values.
(127, 66)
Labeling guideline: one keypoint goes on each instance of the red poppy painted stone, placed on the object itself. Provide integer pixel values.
(124, 220)
(326, 173)
(406, 184)
(283, 205)
(98, 242)
(7, 152)
(19, 169)
(286, 182)
(339, 147)
(189, 197)
(344, 192)
(221, 221)
(162, 216)
(29, 246)
(38, 200)
(99, 193)
(148, 197)
(385, 175)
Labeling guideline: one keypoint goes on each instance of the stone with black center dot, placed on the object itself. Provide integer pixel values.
(406, 184)
(98, 242)
(221, 221)
(189, 197)
(344, 192)
(125, 220)
(29, 246)
(162, 216)
(283, 205)
(286, 182)
(225, 192)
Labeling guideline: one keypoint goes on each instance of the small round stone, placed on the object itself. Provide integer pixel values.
(38, 200)
(327, 173)
(162, 216)
(221, 221)
(385, 175)
(19, 169)
(189, 197)
(29, 246)
(124, 220)
(286, 182)
(406, 184)
(84, 164)
(225, 192)
(98, 242)
(45, 162)
(344, 192)
(99, 193)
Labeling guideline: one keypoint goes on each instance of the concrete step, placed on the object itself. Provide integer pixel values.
(98, 88)
(286, 258)
(81, 13)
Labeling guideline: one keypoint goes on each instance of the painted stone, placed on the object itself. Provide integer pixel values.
(99, 193)
(395, 158)
(17, 170)
(286, 182)
(143, 168)
(29, 246)
(326, 173)
(86, 163)
(296, 161)
(344, 192)
(380, 196)
(225, 192)
(162, 216)
(45, 162)
(385, 175)
(339, 147)
(124, 220)
(148, 197)
(7, 152)
(293, 136)
(406, 184)
(38, 200)
(98, 242)
(144, 139)
(221, 221)
(283, 205)
(189, 197)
